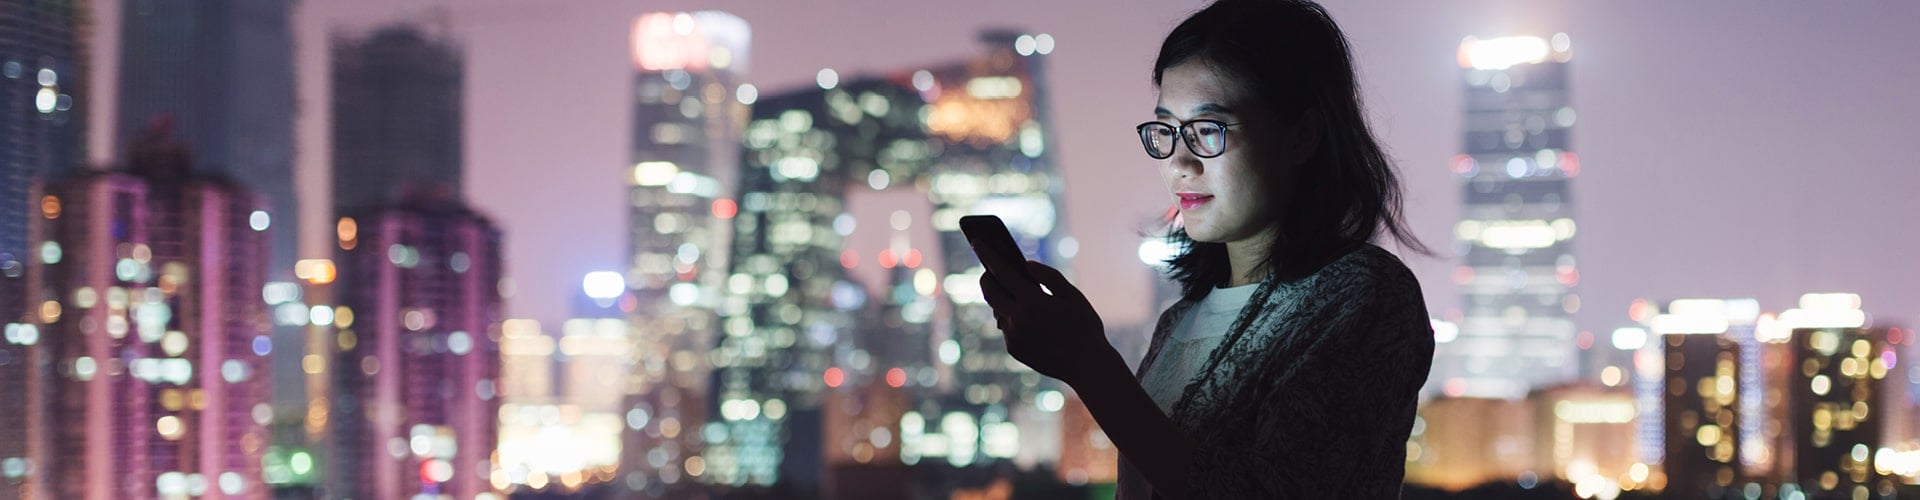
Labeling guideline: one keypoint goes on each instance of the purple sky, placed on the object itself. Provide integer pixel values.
(1752, 148)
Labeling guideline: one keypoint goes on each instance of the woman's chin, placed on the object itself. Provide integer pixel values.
(1202, 235)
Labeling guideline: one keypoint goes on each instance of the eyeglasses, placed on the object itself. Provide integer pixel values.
(1206, 138)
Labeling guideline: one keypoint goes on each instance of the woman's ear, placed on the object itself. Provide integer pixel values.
(1303, 138)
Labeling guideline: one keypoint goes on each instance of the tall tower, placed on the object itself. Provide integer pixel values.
(691, 103)
(971, 136)
(417, 372)
(155, 332)
(221, 73)
(1516, 231)
(397, 118)
(41, 133)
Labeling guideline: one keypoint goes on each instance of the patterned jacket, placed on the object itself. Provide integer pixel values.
(1313, 391)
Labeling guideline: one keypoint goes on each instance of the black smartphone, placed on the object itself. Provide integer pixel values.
(989, 231)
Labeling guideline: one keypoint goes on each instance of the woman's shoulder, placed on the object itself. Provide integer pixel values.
(1367, 270)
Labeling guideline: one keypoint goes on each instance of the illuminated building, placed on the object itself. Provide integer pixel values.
(691, 103)
(971, 136)
(397, 118)
(416, 379)
(1086, 455)
(41, 134)
(222, 73)
(1587, 436)
(526, 363)
(1516, 230)
(555, 443)
(1835, 401)
(595, 363)
(1703, 399)
(1458, 443)
(155, 332)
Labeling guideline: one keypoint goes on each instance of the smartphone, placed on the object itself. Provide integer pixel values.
(989, 231)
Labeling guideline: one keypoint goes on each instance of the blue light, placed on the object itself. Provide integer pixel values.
(262, 345)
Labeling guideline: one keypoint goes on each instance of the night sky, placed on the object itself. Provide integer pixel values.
(1728, 148)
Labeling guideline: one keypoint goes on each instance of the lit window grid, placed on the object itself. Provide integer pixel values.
(1826, 427)
(664, 219)
(214, 219)
(1493, 119)
(764, 139)
(395, 374)
(1701, 392)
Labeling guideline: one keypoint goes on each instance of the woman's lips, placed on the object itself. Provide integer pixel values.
(1190, 200)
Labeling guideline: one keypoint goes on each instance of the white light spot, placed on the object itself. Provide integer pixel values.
(459, 343)
(747, 94)
(949, 352)
(259, 220)
(827, 78)
(604, 284)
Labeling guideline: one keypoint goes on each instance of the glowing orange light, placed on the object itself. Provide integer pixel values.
(50, 207)
(896, 377)
(725, 209)
(315, 271)
(887, 259)
(348, 229)
(834, 377)
(1455, 387)
(913, 258)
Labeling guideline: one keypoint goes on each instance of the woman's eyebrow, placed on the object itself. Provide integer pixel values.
(1202, 109)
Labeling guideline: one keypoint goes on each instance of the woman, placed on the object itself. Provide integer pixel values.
(1292, 364)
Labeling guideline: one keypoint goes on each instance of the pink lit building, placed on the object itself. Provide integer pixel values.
(415, 405)
(153, 322)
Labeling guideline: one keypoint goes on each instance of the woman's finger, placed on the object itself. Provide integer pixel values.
(997, 296)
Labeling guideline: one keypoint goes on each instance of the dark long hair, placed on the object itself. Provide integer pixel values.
(1291, 57)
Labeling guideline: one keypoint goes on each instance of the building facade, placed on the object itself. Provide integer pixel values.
(158, 341)
(1516, 229)
(417, 372)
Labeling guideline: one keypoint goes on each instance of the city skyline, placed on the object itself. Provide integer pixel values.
(1819, 114)
(429, 275)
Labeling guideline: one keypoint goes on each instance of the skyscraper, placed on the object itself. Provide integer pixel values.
(1516, 231)
(41, 133)
(155, 332)
(417, 371)
(690, 106)
(1703, 399)
(1835, 406)
(972, 136)
(397, 117)
(221, 72)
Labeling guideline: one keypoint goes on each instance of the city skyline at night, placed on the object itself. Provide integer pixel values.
(752, 283)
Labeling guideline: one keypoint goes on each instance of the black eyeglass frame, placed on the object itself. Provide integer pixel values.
(1182, 134)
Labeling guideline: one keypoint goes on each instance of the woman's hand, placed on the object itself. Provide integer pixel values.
(1057, 334)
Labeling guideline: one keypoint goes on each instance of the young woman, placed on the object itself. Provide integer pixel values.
(1292, 364)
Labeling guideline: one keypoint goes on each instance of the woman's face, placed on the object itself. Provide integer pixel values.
(1222, 199)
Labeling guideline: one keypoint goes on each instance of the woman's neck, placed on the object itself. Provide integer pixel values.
(1246, 259)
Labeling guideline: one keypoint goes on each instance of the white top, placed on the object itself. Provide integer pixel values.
(1186, 351)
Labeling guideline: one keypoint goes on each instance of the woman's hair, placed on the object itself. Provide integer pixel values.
(1291, 57)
